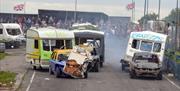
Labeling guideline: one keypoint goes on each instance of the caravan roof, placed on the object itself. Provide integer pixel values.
(149, 35)
(89, 33)
(9, 25)
(50, 33)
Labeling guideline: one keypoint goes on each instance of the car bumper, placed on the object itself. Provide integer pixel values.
(148, 72)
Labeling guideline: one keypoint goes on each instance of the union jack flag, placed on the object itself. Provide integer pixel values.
(19, 7)
(130, 6)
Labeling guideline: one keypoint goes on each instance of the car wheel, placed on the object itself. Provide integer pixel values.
(96, 67)
(101, 64)
(57, 72)
(122, 67)
(159, 76)
(34, 68)
(85, 75)
(50, 70)
(132, 74)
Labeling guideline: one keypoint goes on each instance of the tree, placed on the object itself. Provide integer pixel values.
(172, 17)
(148, 17)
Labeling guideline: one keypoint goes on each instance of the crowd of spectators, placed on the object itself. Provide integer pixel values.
(35, 21)
(41, 21)
(118, 25)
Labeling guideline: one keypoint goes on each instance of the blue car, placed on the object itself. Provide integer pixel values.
(62, 67)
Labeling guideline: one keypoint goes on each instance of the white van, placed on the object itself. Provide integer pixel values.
(145, 41)
(11, 34)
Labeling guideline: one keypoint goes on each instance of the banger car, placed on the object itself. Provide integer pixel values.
(145, 64)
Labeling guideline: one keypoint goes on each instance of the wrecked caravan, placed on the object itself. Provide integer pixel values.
(42, 41)
(11, 34)
(87, 33)
(145, 41)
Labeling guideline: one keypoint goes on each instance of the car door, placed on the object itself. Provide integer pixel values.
(53, 60)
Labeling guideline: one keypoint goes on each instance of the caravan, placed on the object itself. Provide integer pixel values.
(42, 41)
(11, 34)
(145, 41)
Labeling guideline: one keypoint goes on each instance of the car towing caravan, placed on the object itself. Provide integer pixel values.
(11, 34)
(42, 41)
(145, 41)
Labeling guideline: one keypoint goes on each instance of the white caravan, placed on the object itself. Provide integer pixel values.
(11, 34)
(41, 42)
(145, 41)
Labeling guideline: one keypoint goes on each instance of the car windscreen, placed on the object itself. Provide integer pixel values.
(146, 46)
(146, 58)
(13, 32)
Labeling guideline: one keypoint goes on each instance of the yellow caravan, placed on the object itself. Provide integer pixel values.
(42, 41)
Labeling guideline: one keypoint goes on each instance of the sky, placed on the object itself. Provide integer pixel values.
(110, 7)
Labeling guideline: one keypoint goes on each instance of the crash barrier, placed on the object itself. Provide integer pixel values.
(171, 66)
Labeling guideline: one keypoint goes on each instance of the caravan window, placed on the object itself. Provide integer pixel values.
(46, 45)
(157, 47)
(13, 31)
(146, 46)
(135, 44)
(36, 44)
(68, 44)
(61, 44)
(1, 31)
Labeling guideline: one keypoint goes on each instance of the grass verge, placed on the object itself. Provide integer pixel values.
(7, 79)
(2, 55)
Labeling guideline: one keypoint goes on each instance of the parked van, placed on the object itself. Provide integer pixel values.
(145, 41)
(42, 41)
(11, 34)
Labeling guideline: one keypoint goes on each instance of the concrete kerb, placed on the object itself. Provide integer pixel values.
(19, 79)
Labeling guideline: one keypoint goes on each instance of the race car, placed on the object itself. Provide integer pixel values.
(73, 64)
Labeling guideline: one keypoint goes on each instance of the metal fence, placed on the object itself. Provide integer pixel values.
(171, 66)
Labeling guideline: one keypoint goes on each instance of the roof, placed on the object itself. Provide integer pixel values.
(83, 24)
(49, 32)
(149, 35)
(10, 25)
(89, 33)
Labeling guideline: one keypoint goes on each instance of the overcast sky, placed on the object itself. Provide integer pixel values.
(110, 7)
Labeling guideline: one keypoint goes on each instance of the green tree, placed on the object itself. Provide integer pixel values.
(148, 17)
(172, 17)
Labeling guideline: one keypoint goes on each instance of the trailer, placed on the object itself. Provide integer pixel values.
(41, 42)
(90, 34)
(11, 34)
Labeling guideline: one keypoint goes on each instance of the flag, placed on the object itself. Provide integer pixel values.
(19, 7)
(130, 6)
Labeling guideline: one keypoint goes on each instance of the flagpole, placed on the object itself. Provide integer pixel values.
(134, 10)
(75, 12)
(24, 7)
(159, 10)
(147, 6)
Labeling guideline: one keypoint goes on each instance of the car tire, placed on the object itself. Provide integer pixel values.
(132, 74)
(34, 67)
(96, 67)
(101, 64)
(50, 70)
(159, 76)
(57, 72)
(85, 75)
(122, 67)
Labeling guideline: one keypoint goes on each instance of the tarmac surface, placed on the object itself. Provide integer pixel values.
(110, 77)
